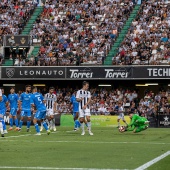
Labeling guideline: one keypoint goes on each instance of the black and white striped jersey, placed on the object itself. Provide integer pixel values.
(85, 95)
(50, 100)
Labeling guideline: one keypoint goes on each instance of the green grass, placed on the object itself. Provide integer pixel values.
(68, 149)
(161, 165)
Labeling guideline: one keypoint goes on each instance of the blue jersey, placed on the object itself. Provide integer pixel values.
(26, 100)
(38, 101)
(75, 103)
(13, 100)
(3, 102)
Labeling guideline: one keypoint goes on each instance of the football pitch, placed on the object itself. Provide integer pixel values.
(66, 149)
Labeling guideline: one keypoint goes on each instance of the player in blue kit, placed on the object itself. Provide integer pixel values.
(3, 105)
(13, 101)
(75, 111)
(25, 103)
(1, 117)
(40, 114)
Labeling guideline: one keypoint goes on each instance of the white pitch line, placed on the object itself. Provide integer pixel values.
(54, 168)
(8, 140)
(18, 136)
(153, 161)
(93, 142)
(71, 131)
(24, 135)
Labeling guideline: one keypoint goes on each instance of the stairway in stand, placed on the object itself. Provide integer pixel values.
(121, 36)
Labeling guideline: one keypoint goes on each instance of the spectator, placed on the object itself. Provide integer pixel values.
(85, 28)
(148, 36)
(1, 58)
(13, 18)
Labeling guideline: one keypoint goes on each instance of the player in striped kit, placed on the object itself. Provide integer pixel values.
(83, 96)
(51, 105)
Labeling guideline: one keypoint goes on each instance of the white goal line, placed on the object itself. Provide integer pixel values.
(153, 161)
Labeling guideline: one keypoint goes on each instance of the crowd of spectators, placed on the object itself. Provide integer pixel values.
(14, 15)
(148, 39)
(81, 32)
(105, 102)
(72, 32)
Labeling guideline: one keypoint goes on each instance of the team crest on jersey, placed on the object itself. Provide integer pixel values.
(10, 72)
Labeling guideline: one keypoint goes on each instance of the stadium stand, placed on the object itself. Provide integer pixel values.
(13, 18)
(81, 32)
(89, 32)
(121, 36)
(32, 20)
(147, 40)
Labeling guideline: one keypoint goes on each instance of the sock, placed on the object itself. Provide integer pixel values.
(1, 128)
(118, 123)
(76, 124)
(16, 122)
(46, 120)
(20, 124)
(11, 122)
(82, 127)
(42, 125)
(45, 125)
(28, 124)
(36, 128)
(3, 124)
(53, 122)
(89, 126)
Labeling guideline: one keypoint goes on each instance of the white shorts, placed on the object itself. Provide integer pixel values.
(121, 116)
(84, 112)
(50, 112)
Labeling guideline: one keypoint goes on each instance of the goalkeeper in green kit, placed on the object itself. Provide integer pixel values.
(137, 123)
